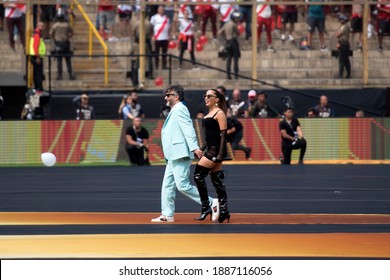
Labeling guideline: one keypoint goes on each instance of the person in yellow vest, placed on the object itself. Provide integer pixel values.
(37, 52)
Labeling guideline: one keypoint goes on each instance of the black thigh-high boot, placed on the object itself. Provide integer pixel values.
(217, 179)
(200, 175)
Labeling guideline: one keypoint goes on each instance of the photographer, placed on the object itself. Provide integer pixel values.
(27, 113)
(292, 136)
(234, 136)
(137, 143)
(84, 111)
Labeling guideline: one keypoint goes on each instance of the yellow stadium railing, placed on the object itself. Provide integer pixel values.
(93, 31)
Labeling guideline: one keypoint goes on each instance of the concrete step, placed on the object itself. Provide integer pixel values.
(12, 66)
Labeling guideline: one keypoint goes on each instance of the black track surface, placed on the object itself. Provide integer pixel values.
(330, 189)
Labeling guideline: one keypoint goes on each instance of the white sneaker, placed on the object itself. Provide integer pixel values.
(271, 48)
(215, 209)
(113, 39)
(324, 49)
(290, 38)
(283, 37)
(163, 219)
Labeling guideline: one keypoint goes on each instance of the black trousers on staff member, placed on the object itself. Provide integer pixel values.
(232, 51)
(62, 50)
(137, 155)
(287, 150)
(163, 45)
(37, 73)
(344, 62)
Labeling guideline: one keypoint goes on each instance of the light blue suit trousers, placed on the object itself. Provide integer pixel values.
(176, 175)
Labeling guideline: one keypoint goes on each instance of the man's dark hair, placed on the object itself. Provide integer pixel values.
(222, 88)
(177, 89)
(287, 102)
(311, 109)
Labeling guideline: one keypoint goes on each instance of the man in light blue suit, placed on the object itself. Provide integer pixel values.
(179, 146)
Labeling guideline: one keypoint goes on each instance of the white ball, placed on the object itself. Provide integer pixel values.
(48, 159)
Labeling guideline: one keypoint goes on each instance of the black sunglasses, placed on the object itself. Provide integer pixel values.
(169, 94)
(208, 96)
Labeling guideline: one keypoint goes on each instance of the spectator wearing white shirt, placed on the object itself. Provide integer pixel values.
(161, 31)
(184, 7)
(186, 37)
(14, 18)
(264, 18)
(226, 11)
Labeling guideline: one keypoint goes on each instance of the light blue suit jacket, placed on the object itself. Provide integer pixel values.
(178, 135)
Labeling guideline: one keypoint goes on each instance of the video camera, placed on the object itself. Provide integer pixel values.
(37, 100)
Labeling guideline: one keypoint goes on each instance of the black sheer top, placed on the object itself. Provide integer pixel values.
(213, 136)
(212, 131)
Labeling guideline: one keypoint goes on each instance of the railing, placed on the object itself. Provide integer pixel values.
(171, 57)
(92, 30)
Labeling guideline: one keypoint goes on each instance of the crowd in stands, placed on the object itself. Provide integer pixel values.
(183, 26)
(269, 18)
(182, 22)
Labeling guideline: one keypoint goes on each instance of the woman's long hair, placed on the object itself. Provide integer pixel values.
(222, 100)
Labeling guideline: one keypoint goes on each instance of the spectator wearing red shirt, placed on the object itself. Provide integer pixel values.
(383, 22)
(107, 12)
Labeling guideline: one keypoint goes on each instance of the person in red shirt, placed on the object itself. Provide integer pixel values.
(107, 12)
(383, 22)
(209, 12)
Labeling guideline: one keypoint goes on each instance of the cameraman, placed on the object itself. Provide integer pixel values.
(27, 112)
(137, 142)
(235, 134)
(292, 136)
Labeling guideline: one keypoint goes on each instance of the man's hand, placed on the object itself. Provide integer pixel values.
(198, 153)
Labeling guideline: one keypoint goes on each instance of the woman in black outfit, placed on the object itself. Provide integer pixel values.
(215, 126)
